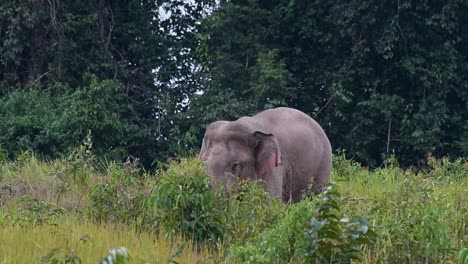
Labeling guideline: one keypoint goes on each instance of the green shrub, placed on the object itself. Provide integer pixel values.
(185, 205)
(105, 205)
(285, 241)
(346, 169)
(446, 170)
(53, 122)
(3, 155)
(31, 211)
(333, 236)
(313, 231)
(80, 160)
(25, 119)
(64, 255)
(100, 107)
(249, 210)
(463, 256)
(416, 224)
(419, 217)
(121, 196)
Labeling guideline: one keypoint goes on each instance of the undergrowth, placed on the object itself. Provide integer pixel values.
(386, 215)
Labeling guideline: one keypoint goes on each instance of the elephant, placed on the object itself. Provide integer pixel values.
(283, 148)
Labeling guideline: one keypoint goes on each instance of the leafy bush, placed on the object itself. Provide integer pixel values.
(185, 205)
(25, 120)
(333, 236)
(121, 196)
(419, 217)
(63, 255)
(52, 123)
(311, 232)
(100, 107)
(3, 155)
(249, 210)
(80, 160)
(104, 203)
(446, 170)
(30, 211)
(285, 241)
(463, 256)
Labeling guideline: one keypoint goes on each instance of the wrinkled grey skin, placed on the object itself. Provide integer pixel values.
(283, 148)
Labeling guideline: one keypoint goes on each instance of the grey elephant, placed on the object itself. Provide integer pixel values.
(283, 148)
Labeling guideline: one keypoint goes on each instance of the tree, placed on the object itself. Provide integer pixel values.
(142, 48)
(381, 77)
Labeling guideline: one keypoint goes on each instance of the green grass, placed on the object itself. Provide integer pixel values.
(55, 181)
(420, 217)
(44, 205)
(90, 242)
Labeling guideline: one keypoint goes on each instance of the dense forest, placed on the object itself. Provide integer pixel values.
(143, 78)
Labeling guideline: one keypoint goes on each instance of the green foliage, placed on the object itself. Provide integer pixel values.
(3, 155)
(104, 203)
(311, 232)
(419, 217)
(463, 256)
(446, 170)
(383, 78)
(270, 81)
(246, 201)
(80, 160)
(61, 256)
(66, 255)
(98, 108)
(186, 206)
(121, 196)
(24, 121)
(284, 241)
(123, 70)
(245, 75)
(333, 236)
(54, 125)
(376, 85)
(31, 211)
(116, 256)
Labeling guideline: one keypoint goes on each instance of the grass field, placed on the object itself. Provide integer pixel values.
(80, 209)
(90, 242)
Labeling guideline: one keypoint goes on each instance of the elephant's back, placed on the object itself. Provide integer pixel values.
(303, 143)
(289, 122)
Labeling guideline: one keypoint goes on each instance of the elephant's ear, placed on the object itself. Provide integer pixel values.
(202, 150)
(267, 153)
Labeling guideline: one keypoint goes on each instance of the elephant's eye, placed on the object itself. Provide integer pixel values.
(236, 168)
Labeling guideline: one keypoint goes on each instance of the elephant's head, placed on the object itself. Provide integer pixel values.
(232, 150)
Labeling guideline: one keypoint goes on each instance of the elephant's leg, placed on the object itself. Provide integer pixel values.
(322, 175)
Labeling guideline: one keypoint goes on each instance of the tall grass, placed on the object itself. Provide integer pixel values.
(54, 181)
(417, 217)
(90, 242)
(420, 217)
